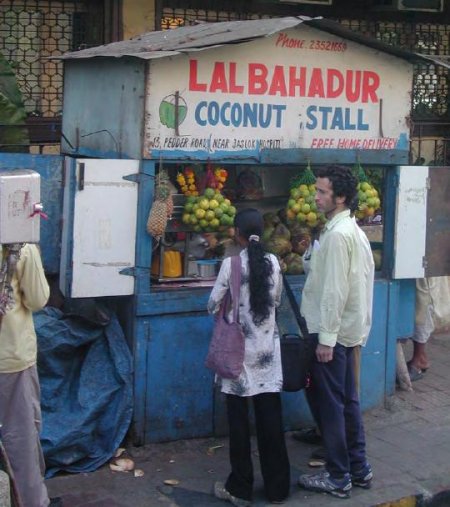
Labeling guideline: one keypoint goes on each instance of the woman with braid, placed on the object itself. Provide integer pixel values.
(261, 379)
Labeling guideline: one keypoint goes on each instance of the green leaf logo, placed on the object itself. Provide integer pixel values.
(167, 110)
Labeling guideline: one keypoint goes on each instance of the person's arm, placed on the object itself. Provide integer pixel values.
(220, 287)
(306, 257)
(32, 282)
(334, 294)
(278, 281)
(369, 274)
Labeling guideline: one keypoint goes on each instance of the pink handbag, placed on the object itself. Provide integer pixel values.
(226, 349)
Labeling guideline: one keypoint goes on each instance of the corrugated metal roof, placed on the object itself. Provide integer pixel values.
(206, 35)
(202, 35)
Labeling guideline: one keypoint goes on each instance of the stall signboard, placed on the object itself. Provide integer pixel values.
(299, 88)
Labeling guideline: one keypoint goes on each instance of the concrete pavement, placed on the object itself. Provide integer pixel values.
(4, 490)
(408, 446)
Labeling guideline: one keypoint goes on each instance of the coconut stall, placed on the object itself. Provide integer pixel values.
(168, 134)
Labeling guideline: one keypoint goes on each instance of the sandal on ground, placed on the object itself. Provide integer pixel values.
(422, 368)
(415, 373)
(318, 458)
(223, 494)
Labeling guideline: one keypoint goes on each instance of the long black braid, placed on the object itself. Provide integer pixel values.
(250, 223)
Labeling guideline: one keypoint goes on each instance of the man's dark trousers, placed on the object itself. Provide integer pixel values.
(334, 402)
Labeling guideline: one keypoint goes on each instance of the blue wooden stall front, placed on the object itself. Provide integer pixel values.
(175, 395)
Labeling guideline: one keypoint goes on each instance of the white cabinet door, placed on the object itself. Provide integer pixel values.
(422, 228)
(411, 222)
(100, 212)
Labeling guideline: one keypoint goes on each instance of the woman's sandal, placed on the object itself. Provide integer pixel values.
(223, 494)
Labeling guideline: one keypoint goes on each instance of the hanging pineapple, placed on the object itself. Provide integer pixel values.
(169, 205)
(162, 206)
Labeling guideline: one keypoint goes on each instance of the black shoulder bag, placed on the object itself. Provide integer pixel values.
(297, 350)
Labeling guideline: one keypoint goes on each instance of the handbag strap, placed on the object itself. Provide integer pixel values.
(235, 285)
(298, 316)
(223, 308)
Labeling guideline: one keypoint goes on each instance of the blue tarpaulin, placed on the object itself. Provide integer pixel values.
(85, 370)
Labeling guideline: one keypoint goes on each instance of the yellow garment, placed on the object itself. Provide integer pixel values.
(338, 293)
(31, 291)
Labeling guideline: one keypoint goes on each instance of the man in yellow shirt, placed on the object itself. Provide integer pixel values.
(337, 305)
(20, 412)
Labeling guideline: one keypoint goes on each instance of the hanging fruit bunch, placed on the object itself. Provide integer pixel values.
(368, 199)
(162, 206)
(220, 177)
(210, 211)
(287, 241)
(186, 179)
(301, 206)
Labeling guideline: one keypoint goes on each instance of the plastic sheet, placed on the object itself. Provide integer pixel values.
(85, 370)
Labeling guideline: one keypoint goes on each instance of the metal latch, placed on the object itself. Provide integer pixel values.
(134, 271)
(138, 177)
(38, 209)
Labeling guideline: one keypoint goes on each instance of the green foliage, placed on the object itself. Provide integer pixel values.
(359, 172)
(12, 111)
(305, 177)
